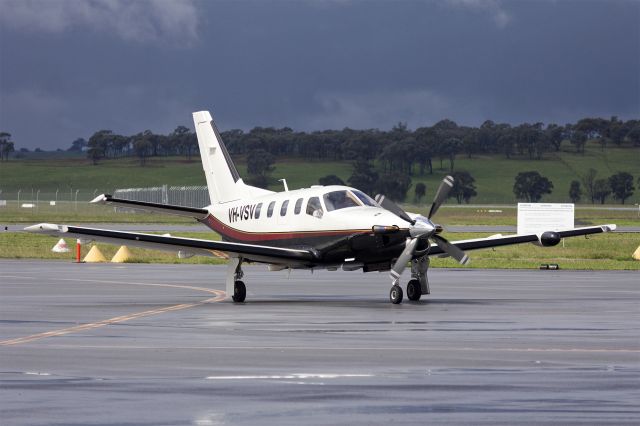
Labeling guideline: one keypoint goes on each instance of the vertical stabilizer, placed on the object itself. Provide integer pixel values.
(223, 180)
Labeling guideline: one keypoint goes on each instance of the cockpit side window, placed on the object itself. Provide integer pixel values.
(336, 200)
(314, 208)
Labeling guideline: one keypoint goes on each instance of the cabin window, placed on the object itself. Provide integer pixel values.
(258, 208)
(298, 207)
(336, 200)
(314, 208)
(283, 209)
(366, 200)
(270, 208)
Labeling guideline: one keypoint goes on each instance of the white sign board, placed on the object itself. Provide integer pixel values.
(535, 218)
(3, 203)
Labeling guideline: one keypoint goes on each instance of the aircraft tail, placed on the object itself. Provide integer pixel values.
(223, 181)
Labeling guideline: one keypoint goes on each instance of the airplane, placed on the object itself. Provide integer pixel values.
(321, 227)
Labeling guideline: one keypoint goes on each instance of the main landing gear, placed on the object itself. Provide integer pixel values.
(235, 287)
(416, 287)
(239, 291)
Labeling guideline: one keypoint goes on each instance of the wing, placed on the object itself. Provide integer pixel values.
(549, 238)
(250, 252)
(195, 213)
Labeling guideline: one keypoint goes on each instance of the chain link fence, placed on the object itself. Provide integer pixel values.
(15, 204)
(187, 196)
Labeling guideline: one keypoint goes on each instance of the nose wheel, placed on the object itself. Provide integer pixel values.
(395, 295)
(413, 290)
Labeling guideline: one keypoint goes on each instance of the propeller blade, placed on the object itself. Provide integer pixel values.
(403, 259)
(387, 204)
(451, 249)
(441, 194)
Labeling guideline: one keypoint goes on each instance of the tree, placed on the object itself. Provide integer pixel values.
(98, 144)
(575, 192)
(77, 145)
(420, 191)
(531, 186)
(464, 187)
(555, 135)
(634, 135)
(143, 146)
(6, 146)
(184, 140)
(330, 180)
(394, 185)
(589, 180)
(579, 139)
(364, 177)
(621, 186)
(601, 190)
(450, 148)
(259, 165)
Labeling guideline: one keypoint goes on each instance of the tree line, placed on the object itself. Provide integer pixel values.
(384, 161)
(399, 149)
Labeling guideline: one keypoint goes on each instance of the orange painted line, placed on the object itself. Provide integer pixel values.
(220, 295)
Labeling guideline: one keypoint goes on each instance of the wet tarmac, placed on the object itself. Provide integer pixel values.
(155, 344)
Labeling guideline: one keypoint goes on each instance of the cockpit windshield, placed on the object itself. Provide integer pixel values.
(336, 200)
(366, 200)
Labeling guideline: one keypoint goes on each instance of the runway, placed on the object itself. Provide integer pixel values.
(155, 344)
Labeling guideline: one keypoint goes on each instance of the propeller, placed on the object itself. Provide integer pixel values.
(423, 227)
(387, 204)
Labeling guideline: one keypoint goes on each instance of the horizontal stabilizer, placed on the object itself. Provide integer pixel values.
(152, 207)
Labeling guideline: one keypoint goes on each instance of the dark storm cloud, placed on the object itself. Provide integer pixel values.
(69, 68)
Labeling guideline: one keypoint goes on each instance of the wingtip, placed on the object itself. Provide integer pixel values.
(100, 199)
(609, 228)
(43, 228)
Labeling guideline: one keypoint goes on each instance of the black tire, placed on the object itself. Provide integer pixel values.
(239, 292)
(414, 292)
(395, 295)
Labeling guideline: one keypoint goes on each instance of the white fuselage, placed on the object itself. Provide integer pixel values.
(303, 215)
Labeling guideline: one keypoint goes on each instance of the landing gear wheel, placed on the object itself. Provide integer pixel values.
(395, 295)
(239, 292)
(413, 290)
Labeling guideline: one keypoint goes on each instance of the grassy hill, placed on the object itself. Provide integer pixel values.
(494, 175)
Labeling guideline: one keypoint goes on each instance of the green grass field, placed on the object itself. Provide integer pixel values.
(494, 178)
(494, 175)
(601, 252)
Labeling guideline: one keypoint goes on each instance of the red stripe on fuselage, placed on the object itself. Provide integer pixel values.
(238, 235)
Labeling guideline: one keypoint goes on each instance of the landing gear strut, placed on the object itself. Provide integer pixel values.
(416, 287)
(235, 288)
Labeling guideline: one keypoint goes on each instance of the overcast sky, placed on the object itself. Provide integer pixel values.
(69, 68)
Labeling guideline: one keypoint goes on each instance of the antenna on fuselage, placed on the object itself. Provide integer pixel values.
(284, 182)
